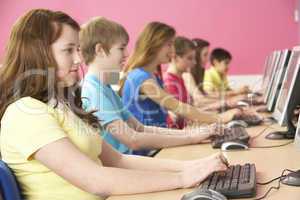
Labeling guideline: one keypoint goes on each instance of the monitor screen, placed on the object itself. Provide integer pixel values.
(270, 69)
(288, 81)
(281, 63)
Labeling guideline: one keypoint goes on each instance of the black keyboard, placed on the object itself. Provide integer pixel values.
(253, 102)
(251, 120)
(233, 134)
(236, 182)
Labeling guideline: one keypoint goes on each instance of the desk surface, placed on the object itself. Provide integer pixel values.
(269, 164)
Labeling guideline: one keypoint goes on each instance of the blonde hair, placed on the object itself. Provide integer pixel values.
(148, 44)
(100, 30)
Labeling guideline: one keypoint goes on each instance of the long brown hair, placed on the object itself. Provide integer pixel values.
(148, 44)
(29, 61)
(183, 45)
(198, 70)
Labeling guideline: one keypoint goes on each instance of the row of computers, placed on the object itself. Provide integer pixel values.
(280, 94)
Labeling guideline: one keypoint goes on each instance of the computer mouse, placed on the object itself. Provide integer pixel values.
(233, 146)
(204, 194)
(242, 103)
(235, 123)
(292, 179)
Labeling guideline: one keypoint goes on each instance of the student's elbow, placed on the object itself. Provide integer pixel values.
(134, 145)
(97, 190)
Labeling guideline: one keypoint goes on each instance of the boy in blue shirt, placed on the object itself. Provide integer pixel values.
(103, 47)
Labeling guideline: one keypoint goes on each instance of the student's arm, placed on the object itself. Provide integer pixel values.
(63, 158)
(193, 90)
(154, 137)
(209, 129)
(154, 92)
(112, 158)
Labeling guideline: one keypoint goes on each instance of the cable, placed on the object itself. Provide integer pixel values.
(277, 187)
(270, 181)
(261, 132)
(272, 146)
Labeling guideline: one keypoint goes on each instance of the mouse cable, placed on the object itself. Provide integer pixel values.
(272, 146)
(273, 187)
(261, 132)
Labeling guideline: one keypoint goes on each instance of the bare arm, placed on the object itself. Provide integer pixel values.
(135, 124)
(112, 158)
(64, 159)
(191, 85)
(157, 94)
(67, 161)
(199, 99)
(153, 137)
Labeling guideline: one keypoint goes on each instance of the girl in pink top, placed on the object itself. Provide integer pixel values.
(184, 59)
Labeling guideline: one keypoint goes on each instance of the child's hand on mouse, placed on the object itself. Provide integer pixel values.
(201, 169)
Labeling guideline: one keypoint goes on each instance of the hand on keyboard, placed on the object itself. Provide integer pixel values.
(250, 117)
(201, 169)
(230, 114)
(238, 181)
(216, 129)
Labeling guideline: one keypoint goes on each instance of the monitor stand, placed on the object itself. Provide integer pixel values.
(283, 135)
(292, 179)
(280, 135)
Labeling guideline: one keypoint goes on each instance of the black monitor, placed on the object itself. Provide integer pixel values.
(289, 98)
(278, 78)
(297, 136)
(286, 90)
(271, 74)
(293, 178)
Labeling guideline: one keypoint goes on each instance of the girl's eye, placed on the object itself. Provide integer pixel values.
(70, 50)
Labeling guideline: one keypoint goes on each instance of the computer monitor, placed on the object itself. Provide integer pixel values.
(278, 78)
(271, 74)
(297, 136)
(266, 65)
(288, 93)
(267, 72)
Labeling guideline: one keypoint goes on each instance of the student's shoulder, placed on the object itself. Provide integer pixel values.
(27, 107)
(90, 85)
(210, 72)
(28, 103)
(139, 73)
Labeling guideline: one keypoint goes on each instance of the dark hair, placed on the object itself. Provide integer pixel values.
(182, 45)
(198, 70)
(29, 49)
(219, 54)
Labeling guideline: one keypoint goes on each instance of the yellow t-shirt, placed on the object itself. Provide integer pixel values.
(213, 82)
(28, 125)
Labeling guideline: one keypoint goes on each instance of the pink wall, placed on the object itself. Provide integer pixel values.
(250, 29)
